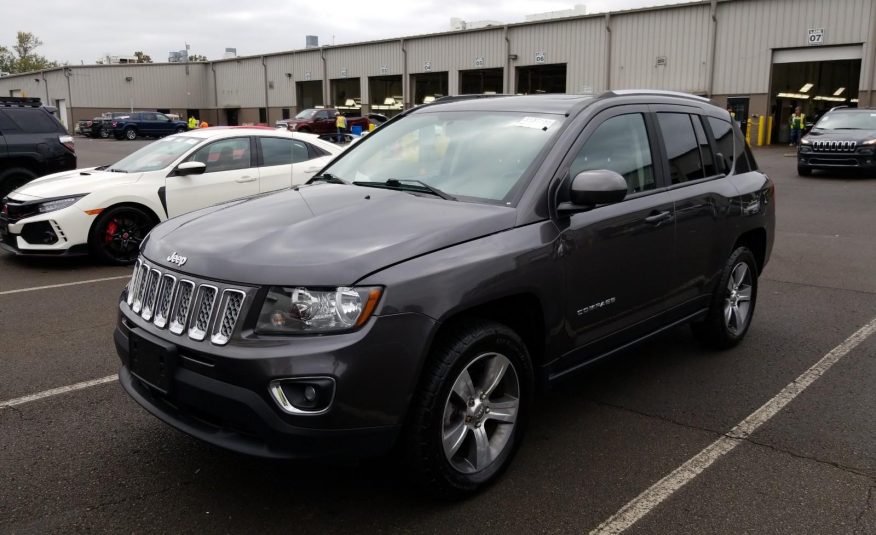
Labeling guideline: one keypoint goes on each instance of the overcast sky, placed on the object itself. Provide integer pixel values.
(77, 31)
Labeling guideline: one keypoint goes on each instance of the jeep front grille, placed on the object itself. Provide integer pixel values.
(834, 146)
(184, 306)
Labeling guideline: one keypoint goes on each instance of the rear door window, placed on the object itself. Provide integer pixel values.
(682, 147)
(279, 151)
(722, 131)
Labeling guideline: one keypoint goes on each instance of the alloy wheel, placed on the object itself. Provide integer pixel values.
(737, 304)
(123, 234)
(480, 413)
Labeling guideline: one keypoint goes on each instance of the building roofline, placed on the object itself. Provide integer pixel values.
(696, 3)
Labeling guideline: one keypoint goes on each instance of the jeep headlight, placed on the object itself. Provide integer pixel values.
(805, 141)
(289, 310)
(58, 204)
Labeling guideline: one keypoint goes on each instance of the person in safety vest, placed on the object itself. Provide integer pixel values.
(193, 123)
(798, 123)
(341, 124)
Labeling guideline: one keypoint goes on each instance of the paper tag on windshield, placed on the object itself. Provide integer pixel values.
(535, 122)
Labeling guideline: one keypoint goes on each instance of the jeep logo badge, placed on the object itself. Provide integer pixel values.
(176, 259)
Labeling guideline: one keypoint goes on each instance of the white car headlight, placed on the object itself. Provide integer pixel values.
(58, 204)
(301, 310)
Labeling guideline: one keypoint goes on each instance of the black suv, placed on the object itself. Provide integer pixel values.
(419, 290)
(100, 126)
(33, 142)
(843, 138)
(145, 123)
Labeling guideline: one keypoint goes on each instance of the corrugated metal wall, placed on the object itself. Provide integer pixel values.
(580, 44)
(149, 87)
(241, 83)
(363, 61)
(679, 36)
(748, 30)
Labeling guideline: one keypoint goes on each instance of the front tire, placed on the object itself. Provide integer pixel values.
(117, 233)
(104, 133)
(469, 415)
(733, 302)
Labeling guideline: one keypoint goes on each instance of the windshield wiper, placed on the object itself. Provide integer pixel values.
(113, 170)
(325, 177)
(400, 184)
(101, 168)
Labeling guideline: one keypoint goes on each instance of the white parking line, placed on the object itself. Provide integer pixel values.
(57, 391)
(64, 284)
(645, 502)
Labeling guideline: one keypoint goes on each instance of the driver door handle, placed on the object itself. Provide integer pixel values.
(659, 217)
(245, 179)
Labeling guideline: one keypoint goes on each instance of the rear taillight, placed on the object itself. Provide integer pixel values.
(67, 141)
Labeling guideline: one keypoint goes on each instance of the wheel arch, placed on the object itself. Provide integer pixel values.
(134, 204)
(756, 241)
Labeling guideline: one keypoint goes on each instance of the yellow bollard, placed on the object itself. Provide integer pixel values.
(769, 136)
(748, 131)
(760, 127)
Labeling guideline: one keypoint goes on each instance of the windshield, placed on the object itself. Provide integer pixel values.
(155, 156)
(479, 156)
(860, 120)
(306, 114)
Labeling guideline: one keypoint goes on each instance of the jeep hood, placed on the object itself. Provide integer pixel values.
(73, 183)
(320, 235)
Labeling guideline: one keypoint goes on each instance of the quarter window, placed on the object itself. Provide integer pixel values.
(620, 144)
(682, 148)
(723, 133)
(278, 151)
(225, 155)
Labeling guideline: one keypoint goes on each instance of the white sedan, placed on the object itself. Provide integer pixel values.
(107, 211)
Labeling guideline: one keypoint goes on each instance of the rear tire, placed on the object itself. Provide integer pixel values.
(12, 179)
(130, 134)
(468, 416)
(180, 130)
(733, 302)
(116, 235)
(104, 133)
(803, 170)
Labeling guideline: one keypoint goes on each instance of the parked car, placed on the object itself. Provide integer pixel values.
(146, 124)
(322, 121)
(108, 210)
(33, 142)
(100, 126)
(843, 138)
(412, 296)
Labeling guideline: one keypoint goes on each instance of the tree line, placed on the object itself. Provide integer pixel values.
(22, 56)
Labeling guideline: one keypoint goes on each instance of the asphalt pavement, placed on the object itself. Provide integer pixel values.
(92, 460)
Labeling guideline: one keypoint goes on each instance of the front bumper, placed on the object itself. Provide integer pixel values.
(822, 160)
(60, 233)
(220, 394)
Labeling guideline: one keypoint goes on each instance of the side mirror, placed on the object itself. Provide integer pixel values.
(190, 168)
(591, 188)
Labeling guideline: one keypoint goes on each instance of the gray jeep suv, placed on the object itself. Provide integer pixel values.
(420, 290)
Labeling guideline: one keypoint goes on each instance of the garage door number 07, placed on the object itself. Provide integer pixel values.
(816, 36)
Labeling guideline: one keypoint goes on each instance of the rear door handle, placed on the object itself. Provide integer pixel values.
(657, 218)
(245, 179)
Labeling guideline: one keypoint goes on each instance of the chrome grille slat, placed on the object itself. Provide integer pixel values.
(141, 285)
(133, 282)
(152, 281)
(164, 299)
(231, 305)
(181, 305)
(202, 311)
(835, 146)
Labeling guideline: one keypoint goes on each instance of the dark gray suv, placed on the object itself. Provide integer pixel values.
(420, 290)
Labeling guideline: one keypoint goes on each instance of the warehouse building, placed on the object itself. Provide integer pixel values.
(762, 57)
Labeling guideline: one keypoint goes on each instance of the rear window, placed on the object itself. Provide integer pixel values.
(33, 120)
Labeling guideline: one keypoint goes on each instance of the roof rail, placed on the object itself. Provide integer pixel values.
(453, 98)
(20, 102)
(624, 92)
(838, 107)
